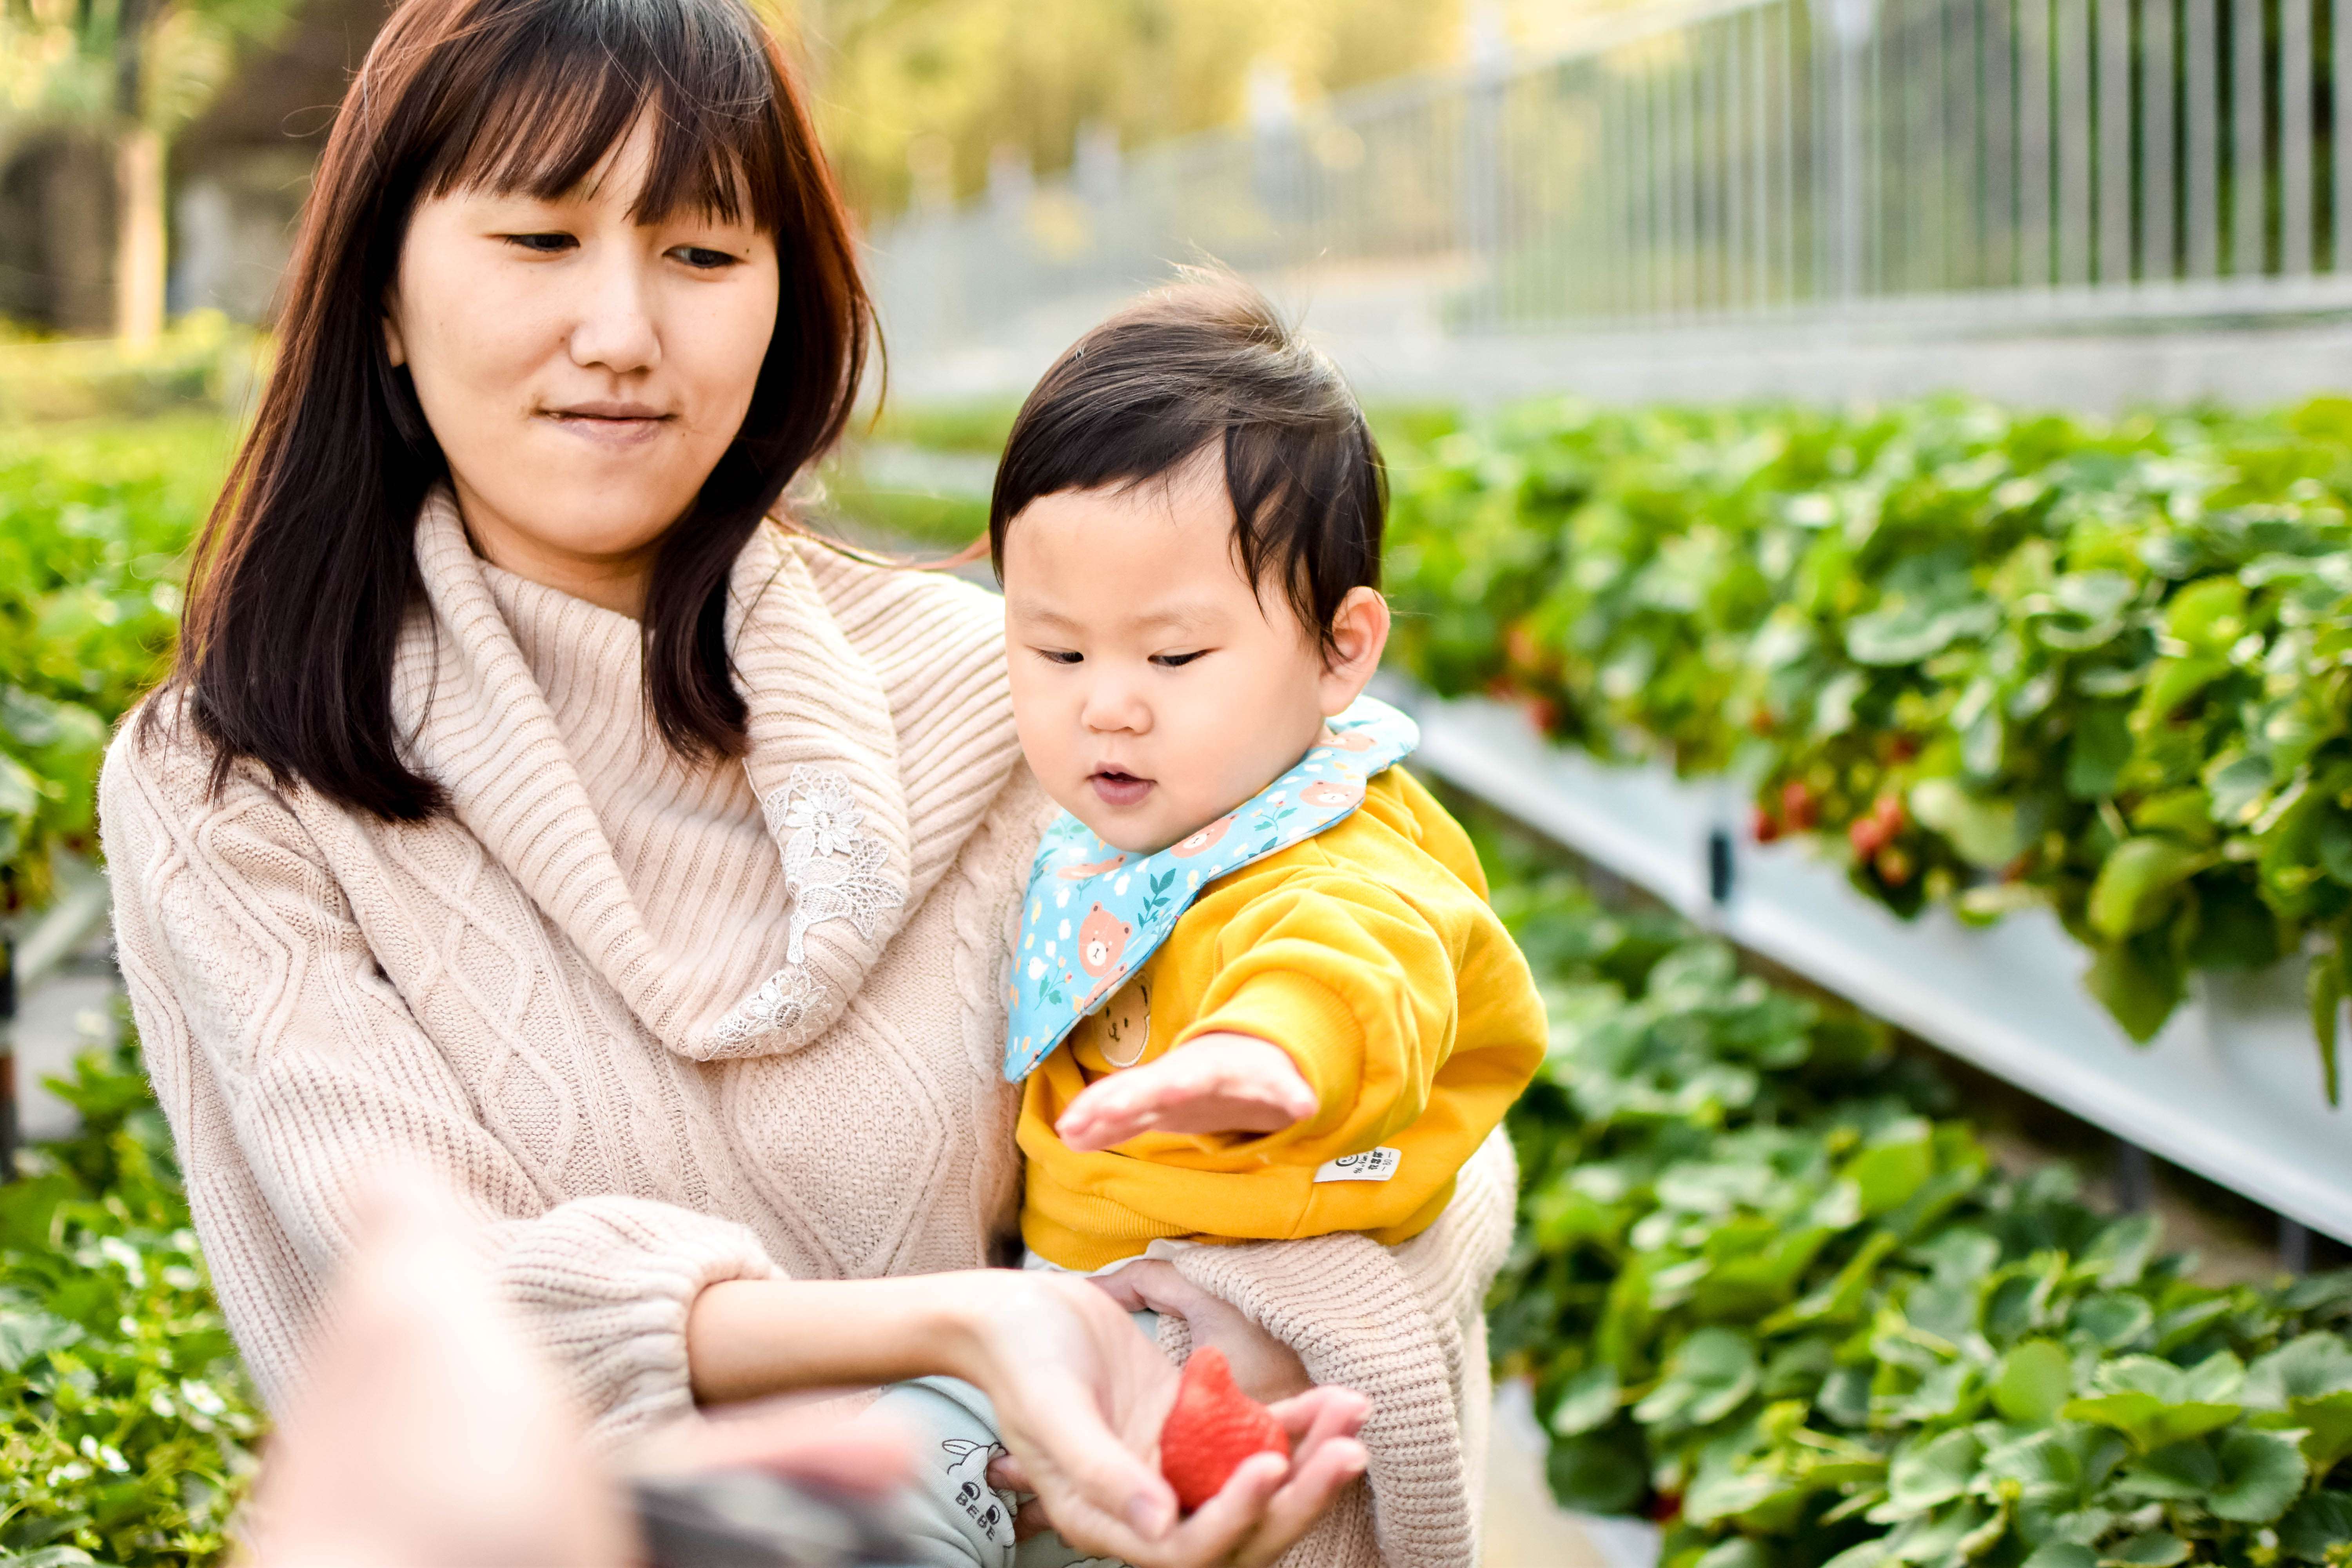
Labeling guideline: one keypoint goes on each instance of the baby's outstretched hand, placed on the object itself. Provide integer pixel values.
(1216, 1083)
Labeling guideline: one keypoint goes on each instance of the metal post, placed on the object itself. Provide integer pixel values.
(2157, 259)
(2339, 97)
(2033, 143)
(2074, 104)
(1760, 163)
(2295, 137)
(2114, 261)
(1852, 23)
(2202, 110)
(1785, 160)
(1997, 162)
(2294, 1247)
(1682, 150)
(2134, 1178)
(1481, 168)
(2249, 137)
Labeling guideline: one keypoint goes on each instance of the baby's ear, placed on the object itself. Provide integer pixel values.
(1360, 634)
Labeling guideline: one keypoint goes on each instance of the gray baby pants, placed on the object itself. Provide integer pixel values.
(951, 1517)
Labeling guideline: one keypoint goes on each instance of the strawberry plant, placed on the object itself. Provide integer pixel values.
(1989, 660)
(94, 523)
(126, 1423)
(1773, 1295)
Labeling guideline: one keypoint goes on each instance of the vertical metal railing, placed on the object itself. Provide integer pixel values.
(1740, 160)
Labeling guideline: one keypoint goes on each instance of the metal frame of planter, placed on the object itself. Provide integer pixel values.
(2231, 1088)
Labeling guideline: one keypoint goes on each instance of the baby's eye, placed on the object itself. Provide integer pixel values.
(1061, 655)
(1176, 660)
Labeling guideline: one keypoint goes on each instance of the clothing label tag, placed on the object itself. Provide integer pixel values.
(1371, 1166)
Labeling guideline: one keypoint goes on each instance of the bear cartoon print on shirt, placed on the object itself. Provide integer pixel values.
(968, 1478)
(1095, 915)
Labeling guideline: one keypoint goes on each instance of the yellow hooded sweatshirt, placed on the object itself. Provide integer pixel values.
(1369, 953)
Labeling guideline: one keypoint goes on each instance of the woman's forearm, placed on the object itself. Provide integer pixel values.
(746, 1339)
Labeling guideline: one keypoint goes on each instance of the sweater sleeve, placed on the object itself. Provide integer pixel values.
(1404, 1326)
(290, 1071)
(1357, 987)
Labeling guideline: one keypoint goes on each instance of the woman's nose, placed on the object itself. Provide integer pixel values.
(616, 329)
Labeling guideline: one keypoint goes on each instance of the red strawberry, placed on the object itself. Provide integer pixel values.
(1800, 806)
(1867, 835)
(1212, 1429)
(1762, 825)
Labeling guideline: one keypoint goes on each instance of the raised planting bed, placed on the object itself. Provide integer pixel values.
(2229, 1088)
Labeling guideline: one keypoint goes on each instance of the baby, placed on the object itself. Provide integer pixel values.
(1257, 992)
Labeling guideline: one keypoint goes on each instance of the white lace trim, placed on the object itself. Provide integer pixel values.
(831, 872)
(832, 865)
(783, 1003)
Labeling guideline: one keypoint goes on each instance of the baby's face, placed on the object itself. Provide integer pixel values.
(1154, 690)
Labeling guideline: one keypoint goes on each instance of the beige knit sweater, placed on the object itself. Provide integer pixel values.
(663, 1026)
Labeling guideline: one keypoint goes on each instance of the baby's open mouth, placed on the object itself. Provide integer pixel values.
(1115, 786)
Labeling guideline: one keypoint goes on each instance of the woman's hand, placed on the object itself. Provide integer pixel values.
(1081, 1396)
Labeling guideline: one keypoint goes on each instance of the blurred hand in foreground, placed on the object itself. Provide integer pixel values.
(431, 1435)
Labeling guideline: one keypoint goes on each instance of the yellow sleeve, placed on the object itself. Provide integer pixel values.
(1441, 836)
(1357, 986)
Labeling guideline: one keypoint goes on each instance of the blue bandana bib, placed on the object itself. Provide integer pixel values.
(1095, 913)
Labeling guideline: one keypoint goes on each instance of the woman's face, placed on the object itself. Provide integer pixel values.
(581, 372)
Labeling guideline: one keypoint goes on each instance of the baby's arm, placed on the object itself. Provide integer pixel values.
(1212, 1083)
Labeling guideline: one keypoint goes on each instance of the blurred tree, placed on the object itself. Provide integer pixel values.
(918, 96)
(134, 72)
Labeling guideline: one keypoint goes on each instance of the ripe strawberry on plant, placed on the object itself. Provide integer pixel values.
(1762, 825)
(1871, 834)
(1213, 1430)
(1799, 808)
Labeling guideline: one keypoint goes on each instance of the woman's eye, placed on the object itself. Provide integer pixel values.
(1176, 660)
(542, 243)
(703, 258)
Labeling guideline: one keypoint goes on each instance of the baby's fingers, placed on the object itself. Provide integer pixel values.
(1111, 1112)
(1006, 1473)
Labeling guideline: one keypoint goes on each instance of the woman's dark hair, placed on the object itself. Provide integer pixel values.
(1209, 360)
(306, 565)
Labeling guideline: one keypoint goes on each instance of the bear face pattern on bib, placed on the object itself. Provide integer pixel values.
(1095, 913)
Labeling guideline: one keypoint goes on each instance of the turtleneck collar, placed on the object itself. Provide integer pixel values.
(822, 760)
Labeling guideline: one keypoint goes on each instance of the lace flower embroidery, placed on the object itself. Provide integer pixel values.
(833, 866)
(832, 871)
(782, 1003)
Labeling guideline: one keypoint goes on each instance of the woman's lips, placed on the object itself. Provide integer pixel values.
(1114, 788)
(609, 429)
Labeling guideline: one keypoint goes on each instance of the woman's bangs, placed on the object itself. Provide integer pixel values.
(559, 110)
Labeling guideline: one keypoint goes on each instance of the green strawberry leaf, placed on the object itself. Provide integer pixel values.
(2262, 1473)
(2036, 1379)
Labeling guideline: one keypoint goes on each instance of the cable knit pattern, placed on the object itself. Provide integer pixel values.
(550, 999)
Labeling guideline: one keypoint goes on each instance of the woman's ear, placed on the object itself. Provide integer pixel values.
(1359, 634)
(392, 343)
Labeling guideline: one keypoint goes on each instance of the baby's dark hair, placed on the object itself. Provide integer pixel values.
(1210, 360)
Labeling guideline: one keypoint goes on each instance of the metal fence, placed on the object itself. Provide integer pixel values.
(1722, 162)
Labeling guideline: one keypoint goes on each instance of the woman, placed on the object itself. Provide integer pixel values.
(527, 809)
